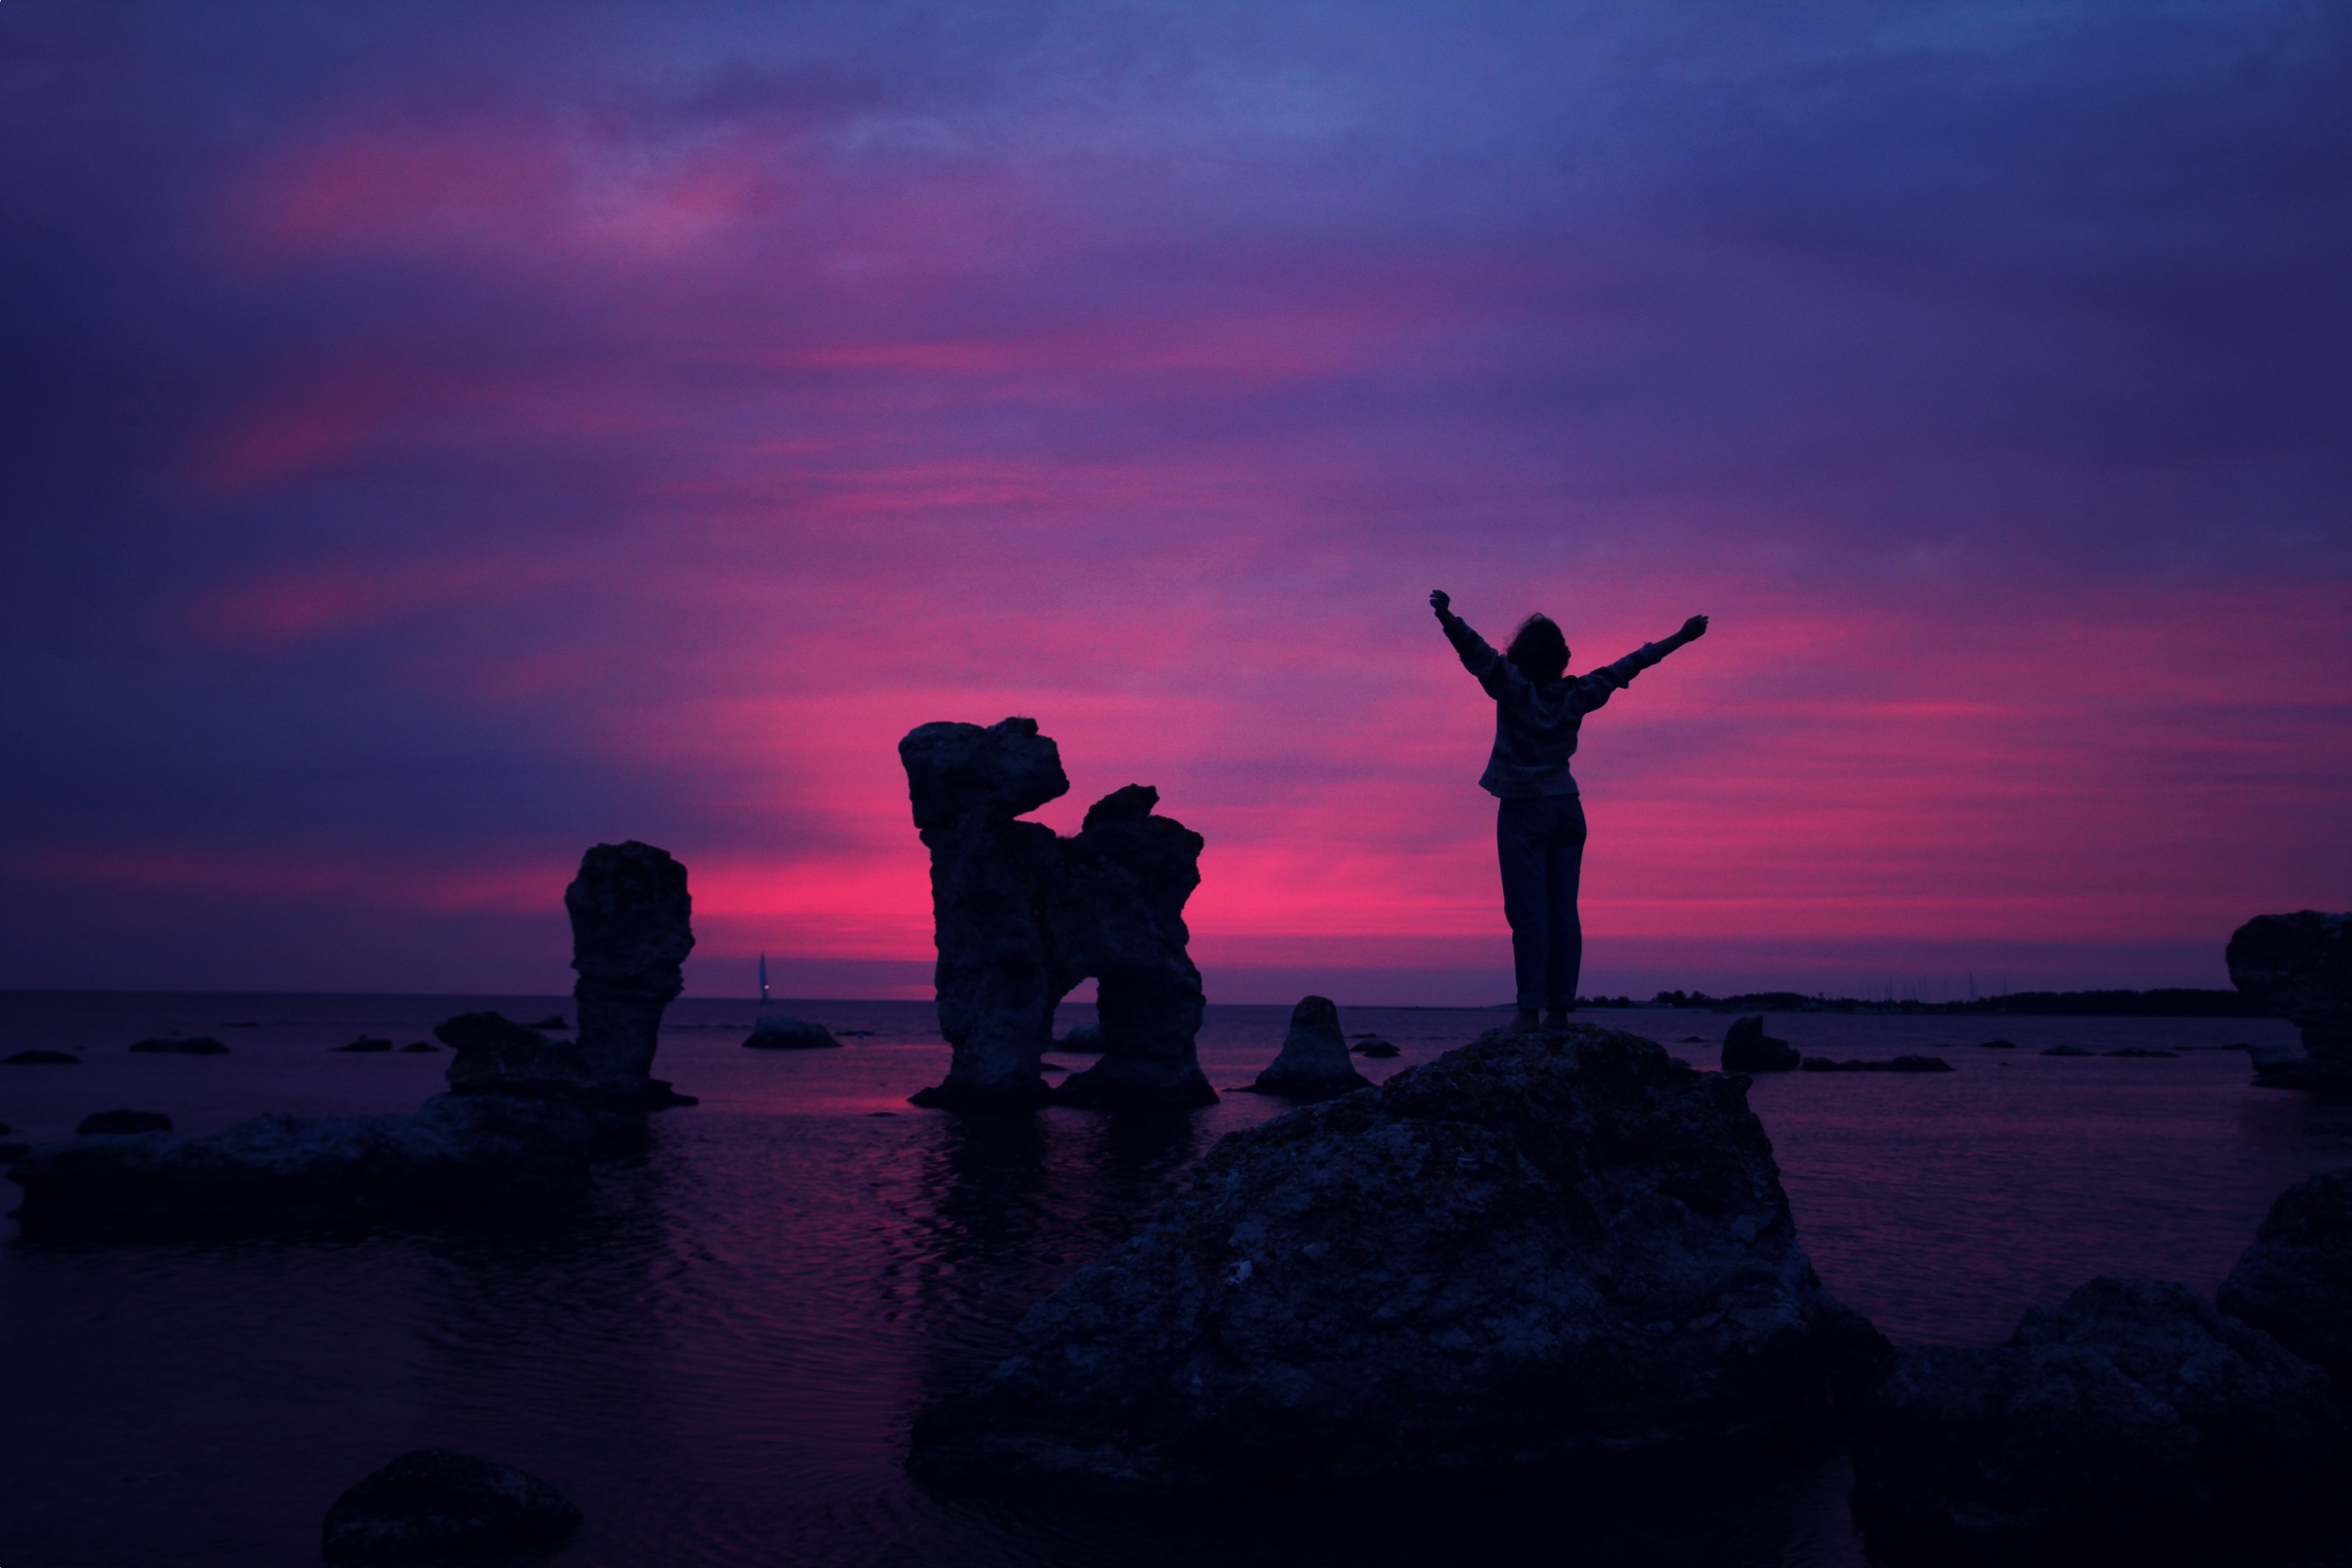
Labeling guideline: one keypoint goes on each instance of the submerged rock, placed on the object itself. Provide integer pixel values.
(1314, 1062)
(433, 1504)
(1536, 1247)
(2299, 967)
(364, 1043)
(114, 1123)
(458, 1153)
(1378, 1050)
(1748, 1049)
(2134, 1418)
(1997, 1044)
(1021, 916)
(1891, 1063)
(2140, 1051)
(421, 1046)
(2070, 1051)
(40, 1059)
(631, 930)
(2295, 1281)
(783, 1032)
(192, 1046)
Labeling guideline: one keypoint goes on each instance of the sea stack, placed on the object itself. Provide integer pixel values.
(1314, 1062)
(2299, 967)
(1022, 915)
(630, 935)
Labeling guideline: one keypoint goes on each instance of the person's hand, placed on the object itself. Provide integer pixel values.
(1694, 628)
(1440, 600)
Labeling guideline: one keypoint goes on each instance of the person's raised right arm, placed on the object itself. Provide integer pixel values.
(1493, 670)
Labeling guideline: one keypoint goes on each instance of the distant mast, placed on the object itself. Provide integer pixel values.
(763, 977)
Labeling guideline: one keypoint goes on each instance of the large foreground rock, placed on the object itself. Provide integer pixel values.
(631, 930)
(2299, 967)
(1535, 1249)
(2135, 1420)
(460, 1153)
(2295, 1281)
(1022, 915)
(1314, 1063)
(433, 1504)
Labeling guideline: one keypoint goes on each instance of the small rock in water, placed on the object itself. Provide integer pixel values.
(364, 1043)
(2295, 1281)
(1894, 1064)
(552, 1021)
(1085, 1041)
(783, 1032)
(1314, 1062)
(2140, 1051)
(40, 1059)
(420, 1045)
(1379, 1050)
(433, 1503)
(1997, 1046)
(119, 1122)
(192, 1046)
(2070, 1051)
(1693, 1039)
(1748, 1049)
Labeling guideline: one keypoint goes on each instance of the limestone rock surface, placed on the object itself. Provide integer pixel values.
(2295, 1281)
(1537, 1247)
(1748, 1049)
(2134, 1419)
(631, 930)
(783, 1032)
(1314, 1063)
(2299, 967)
(1022, 915)
(433, 1504)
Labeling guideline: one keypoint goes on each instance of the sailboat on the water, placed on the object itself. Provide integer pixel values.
(764, 978)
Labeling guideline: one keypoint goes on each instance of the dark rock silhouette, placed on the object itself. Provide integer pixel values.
(1376, 1050)
(1022, 915)
(783, 1032)
(2070, 1051)
(2299, 967)
(364, 1043)
(2140, 1051)
(630, 935)
(2295, 1281)
(1891, 1063)
(40, 1059)
(2134, 1417)
(1997, 1046)
(117, 1122)
(433, 1504)
(497, 1056)
(1748, 1049)
(1314, 1062)
(1536, 1247)
(552, 1021)
(420, 1046)
(1085, 1041)
(194, 1045)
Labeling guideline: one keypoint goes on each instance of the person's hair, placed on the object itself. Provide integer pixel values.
(1538, 649)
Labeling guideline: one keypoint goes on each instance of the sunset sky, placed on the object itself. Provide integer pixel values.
(442, 437)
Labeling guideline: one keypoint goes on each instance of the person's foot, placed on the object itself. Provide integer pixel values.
(1527, 1022)
(1556, 1019)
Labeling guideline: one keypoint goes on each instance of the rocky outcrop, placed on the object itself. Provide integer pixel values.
(2134, 1418)
(783, 1032)
(1536, 1247)
(2299, 967)
(630, 936)
(433, 1505)
(1314, 1062)
(460, 1153)
(497, 1056)
(2295, 1282)
(1022, 915)
(118, 1123)
(1748, 1049)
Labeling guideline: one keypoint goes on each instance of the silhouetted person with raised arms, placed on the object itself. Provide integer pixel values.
(1539, 829)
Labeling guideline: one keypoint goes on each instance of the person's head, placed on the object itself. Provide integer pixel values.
(1539, 649)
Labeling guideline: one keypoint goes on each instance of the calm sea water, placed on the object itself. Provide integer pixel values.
(719, 1356)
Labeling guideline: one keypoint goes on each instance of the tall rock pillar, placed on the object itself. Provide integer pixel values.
(630, 934)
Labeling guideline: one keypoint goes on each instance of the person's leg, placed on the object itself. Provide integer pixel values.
(1519, 844)
(1563, 868)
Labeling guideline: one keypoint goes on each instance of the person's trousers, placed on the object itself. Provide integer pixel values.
(1541, 843)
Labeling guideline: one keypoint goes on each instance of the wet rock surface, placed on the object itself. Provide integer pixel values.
(631, 930)
(1537, 1249)
(1314, 1063)
(2295, 1281)
(2299, 967)
(2134, 1420)
(433, 1504)
(1022, 915)
(783, 1032)
(115, 1123)
(1748, 1049)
